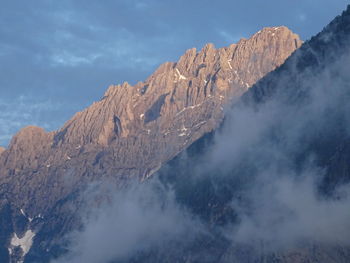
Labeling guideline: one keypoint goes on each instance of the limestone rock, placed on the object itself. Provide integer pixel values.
(133, 130)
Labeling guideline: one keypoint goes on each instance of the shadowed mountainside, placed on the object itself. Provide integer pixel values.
(128, 134)
(291, 129)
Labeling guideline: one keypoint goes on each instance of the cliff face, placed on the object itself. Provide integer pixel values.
(132, 130)
(300, 115)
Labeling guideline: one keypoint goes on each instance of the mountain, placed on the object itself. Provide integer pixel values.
(272, 183)
(130, 133)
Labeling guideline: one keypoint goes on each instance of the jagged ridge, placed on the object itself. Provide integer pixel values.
(131, 131)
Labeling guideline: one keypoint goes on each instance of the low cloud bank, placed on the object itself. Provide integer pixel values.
(136, 219)
(288, 143)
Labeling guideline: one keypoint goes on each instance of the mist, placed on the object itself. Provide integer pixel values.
(133, 220)
(288, 142)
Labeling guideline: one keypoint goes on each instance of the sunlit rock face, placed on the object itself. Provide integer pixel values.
(131, 131)
(274, 179)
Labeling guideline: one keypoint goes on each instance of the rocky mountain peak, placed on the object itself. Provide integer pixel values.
(132, 130)
(26, 147)
(27, 135)
(125, 110)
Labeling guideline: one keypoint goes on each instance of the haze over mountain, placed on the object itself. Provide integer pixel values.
(129, 133)
(232, 154)
(271, 185)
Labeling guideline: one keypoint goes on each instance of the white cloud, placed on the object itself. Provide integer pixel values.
(137, 218)
(71, 60)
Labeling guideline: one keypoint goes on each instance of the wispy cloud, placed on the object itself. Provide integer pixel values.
(59, 50)
(267, 166)
(135, 219)
(22, 111)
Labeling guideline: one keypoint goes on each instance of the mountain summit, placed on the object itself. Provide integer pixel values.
(272, 184)
(129, 133)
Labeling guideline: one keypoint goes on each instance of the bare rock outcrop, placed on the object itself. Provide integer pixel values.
(2, 149)
(129, 133)
(133, 130)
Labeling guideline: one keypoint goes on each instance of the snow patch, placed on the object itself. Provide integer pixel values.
(229, 64)
(22, 212)
(195, 106)
(192, 107)
(179, 74)
(182, 134)
(142, 115)
(186, 108)
(25, 243)
(199, 124)
(181, 111)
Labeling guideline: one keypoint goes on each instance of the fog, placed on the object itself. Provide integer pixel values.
(290, 140)
(287, 141)
(135, 219)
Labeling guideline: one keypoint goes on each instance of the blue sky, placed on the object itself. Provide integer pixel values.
(57, 57)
